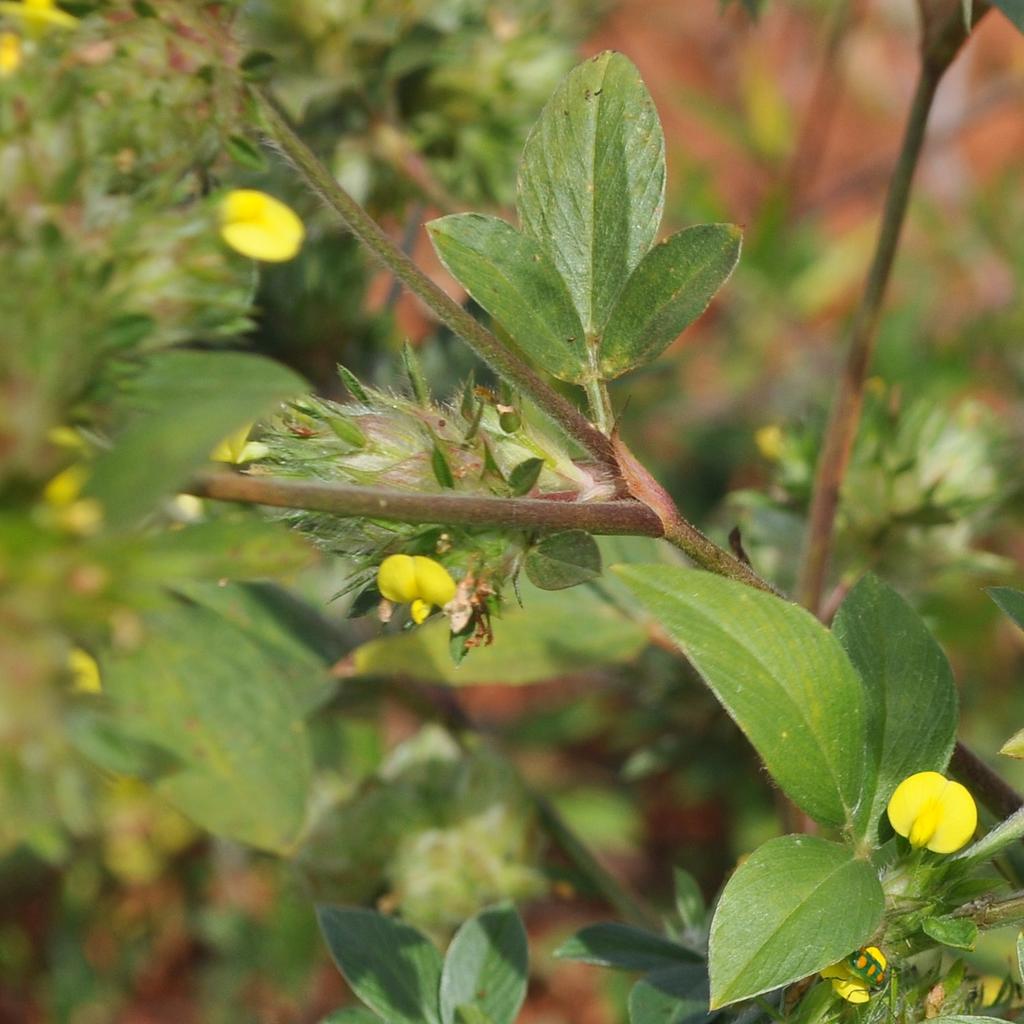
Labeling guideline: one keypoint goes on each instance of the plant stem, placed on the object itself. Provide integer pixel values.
(627, 905)
(599, 517)
(600, 405)
(996, 794)
(992, 912)
(506, 362)
(846, 409)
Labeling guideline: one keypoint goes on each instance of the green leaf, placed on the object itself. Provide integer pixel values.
(486, 966)
(622, 946)
(245, 153)
(563, 560)
(414, 374)
(957, 932)
(469, 1014)
(782, 676)
(391, 967)
(670, 288)
(523, 477)
(106, 742)
(352, 1015)
(1013, 9)
(796, 905)
(1014, 746)
(512, 277)
(690, 904)
(235, 549)
(676, 995)
(1011, 601)
(442, 471)
(911, 698)
(183, 404)
(1020, 955)
(218, 700)
(549, 638)
(592, 182)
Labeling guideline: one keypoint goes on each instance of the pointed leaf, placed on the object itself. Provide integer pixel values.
(183, 404)
(911, 695)
(563, 560)
(1014, 746)
(796, 905)
(622, 946)
(676, 995)
(219, 701)
(512, 277)
(782, 676)
(391, 967)
(957, 932)
(592, 181)
(670, 288)
(1011, 601)
(690, 904)
(486, 966)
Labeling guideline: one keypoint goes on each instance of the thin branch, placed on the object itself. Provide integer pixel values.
(505, 361)
(627, 517)
(607, 885)
(996, 794)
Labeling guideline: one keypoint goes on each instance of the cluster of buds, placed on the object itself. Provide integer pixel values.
(486, 444)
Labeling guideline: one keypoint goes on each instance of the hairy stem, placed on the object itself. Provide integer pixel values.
(599, 517)
(837, 446)
(506, 362)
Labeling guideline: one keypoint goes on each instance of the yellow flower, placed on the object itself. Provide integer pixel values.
(10, 54)
(415, 580)
(260, 226)
(933, 811)
(237, 448)
(769, 441)
(847, 983)
(85, 672)
(83, 516)
(38, 15)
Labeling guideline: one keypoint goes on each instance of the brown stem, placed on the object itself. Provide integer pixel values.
(837, 446)
(599, 517)
(996, 794)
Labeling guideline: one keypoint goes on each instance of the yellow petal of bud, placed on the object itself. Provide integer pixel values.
(233, 448)
(769, 441)
(433, 583)
(38, 15)
(933, 811)
(66, 486)
(260, 226)
(419, 610)
(396, 579)
(85, 672)
(10, 54)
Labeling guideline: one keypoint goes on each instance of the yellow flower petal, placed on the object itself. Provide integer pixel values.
(852, 991)
(10, 54)
(66, 486)
(769, 441)
(933, 811)
(433, 583)
(260, 226)
(237, 448)
(85, 672)
(38, 15)
(396, 579)
(419, 610)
